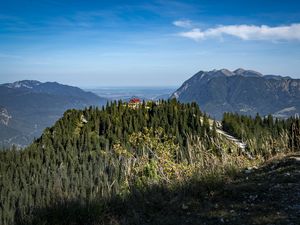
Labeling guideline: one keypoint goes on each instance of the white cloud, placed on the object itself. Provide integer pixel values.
(183, 23)
(247, 32)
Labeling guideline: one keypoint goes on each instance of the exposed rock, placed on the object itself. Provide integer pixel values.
(4, 116)
(241, 91)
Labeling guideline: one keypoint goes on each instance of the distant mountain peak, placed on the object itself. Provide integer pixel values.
(23, 84)
(247, 73)
(29, 106)
(243, 91)
(239, 71)
(226, 72)
(207, 75)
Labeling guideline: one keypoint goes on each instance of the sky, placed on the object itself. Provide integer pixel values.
(145, 43)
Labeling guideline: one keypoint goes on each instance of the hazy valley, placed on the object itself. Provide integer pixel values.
(126, 93)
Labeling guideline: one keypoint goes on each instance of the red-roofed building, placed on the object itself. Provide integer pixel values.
(134, 103)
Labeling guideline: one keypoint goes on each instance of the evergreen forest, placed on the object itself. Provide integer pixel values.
(90, 158)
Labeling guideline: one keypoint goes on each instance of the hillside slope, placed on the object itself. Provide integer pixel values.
(242, 91)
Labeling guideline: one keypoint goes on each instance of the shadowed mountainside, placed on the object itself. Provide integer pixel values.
(242, 91)
(28, 107)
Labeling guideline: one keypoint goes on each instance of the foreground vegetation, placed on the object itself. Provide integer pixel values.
(119, 165)
(265, 195)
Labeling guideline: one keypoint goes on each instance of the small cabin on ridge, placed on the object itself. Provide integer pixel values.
(134, 103)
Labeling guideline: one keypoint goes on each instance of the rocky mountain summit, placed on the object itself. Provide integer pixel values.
(242, 91)
(25, 84)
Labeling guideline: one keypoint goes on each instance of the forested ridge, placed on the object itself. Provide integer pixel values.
(98, 154)
(78, 157)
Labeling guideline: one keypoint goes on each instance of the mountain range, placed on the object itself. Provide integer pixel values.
(27, 107)
(241, 91)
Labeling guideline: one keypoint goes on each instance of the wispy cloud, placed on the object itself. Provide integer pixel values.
(183, 23)
(247, 32)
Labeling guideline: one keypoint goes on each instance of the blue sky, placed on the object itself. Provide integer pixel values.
(145, 43)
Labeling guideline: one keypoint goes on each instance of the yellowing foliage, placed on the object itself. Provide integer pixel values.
(157, 161)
